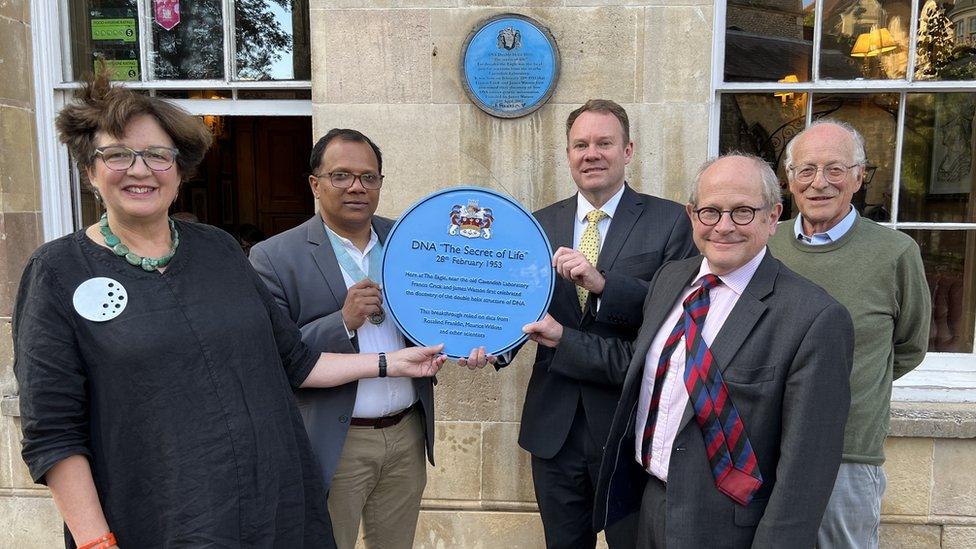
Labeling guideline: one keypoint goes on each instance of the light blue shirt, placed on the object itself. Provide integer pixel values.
(832, 235)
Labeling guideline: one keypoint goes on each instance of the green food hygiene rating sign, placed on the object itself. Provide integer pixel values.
(121, 69)
(114, 29)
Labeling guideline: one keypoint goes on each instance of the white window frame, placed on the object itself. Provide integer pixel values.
(942, 377)
(52, 91)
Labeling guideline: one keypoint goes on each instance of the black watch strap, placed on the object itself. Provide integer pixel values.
(382, 365)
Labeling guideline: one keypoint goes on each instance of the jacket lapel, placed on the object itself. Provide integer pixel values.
(325, 258)
(628, 210)
(666, 293)
(562, 237)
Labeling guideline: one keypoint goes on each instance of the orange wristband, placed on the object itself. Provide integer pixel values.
(103, 542)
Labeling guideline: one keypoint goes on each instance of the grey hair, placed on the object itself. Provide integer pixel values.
(860, 158)
(771, 192)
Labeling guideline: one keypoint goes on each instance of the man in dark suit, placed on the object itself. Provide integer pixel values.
(730, 425)
(610, 240)
(370, 435)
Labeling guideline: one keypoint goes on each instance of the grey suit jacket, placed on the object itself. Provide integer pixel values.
(301, 270)
(645, 233)
(785, 352)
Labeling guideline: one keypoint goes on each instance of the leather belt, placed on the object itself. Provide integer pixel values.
(382, 422)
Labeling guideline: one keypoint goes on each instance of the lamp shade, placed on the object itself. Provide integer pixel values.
(881, 40)
(862, 48)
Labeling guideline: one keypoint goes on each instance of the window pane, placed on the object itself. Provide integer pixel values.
(761, 124)
(944, 47)
(768, 40)
(937, 159)
(950, 267)
(106, 29)
(875, 116)
(272, 40)
(865, 39)
(194, 48)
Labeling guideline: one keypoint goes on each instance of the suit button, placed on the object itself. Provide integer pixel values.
(343, 419)
(679, 449)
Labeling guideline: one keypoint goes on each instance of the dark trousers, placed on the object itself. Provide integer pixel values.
(651, 526)
(564, 489)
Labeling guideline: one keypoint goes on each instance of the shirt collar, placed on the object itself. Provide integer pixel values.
(831, 235)
(373, 239)
(738, 279)
(584, 207)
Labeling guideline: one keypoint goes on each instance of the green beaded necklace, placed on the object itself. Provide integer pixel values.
(121, 250)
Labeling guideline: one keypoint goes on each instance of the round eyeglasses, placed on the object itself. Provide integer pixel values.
(120, 159)
(833, 173)
(740, 215)
(344, 180)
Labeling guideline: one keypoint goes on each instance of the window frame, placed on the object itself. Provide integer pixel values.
(942, 377)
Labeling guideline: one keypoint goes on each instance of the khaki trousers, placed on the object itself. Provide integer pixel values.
(378, 482)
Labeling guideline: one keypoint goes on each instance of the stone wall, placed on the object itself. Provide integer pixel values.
(28, 516)
(390, 69)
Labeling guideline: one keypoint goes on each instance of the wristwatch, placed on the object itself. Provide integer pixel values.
(382, 365)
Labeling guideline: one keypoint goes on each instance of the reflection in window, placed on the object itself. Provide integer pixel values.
(272, 39)
(875, 117)
(865, 39)
(194, 48)
(768, 40)
(939, 56)
(762, 124)
(108, 30)
(950, 267)
(937, 158)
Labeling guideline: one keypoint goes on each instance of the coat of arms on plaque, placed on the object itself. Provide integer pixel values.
(470, 221)
(509, 38)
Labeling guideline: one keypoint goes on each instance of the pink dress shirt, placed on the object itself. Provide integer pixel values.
(674, 395)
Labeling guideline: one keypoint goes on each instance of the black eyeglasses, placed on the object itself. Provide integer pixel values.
(120, 159)
(344, 180)
(740, 215)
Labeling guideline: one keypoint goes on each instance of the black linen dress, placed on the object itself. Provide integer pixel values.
(183, 403)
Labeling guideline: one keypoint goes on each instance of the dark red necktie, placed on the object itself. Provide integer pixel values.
(730, 455)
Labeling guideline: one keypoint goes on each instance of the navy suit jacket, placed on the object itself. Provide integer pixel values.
(645, 232)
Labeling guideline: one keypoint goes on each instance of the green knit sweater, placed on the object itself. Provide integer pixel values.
(877, 274)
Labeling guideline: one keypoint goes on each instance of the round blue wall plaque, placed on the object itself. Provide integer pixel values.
(468, 267)
(509, 65)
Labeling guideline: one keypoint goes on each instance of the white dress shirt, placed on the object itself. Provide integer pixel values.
(381, 396)
(674, 394)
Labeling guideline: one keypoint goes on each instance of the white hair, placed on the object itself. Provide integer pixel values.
(858, 153)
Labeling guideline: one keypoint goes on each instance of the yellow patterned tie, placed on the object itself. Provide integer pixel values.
(590, 247)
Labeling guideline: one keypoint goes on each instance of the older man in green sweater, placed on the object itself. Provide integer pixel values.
(877, 274)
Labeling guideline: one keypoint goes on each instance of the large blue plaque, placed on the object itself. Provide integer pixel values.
(468, 267)
(509, 65)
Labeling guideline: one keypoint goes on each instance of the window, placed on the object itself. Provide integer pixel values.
(899, 72)
(202, 40)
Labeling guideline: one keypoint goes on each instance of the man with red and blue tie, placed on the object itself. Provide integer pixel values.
(729, 429)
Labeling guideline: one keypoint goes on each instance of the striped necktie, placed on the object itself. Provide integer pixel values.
(730, 454)
(589, 246)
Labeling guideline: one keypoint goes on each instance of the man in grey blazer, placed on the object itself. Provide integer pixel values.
(627, 235)
(370, 435)
(730, 425)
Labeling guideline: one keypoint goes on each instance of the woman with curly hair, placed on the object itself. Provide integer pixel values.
(155, 370)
